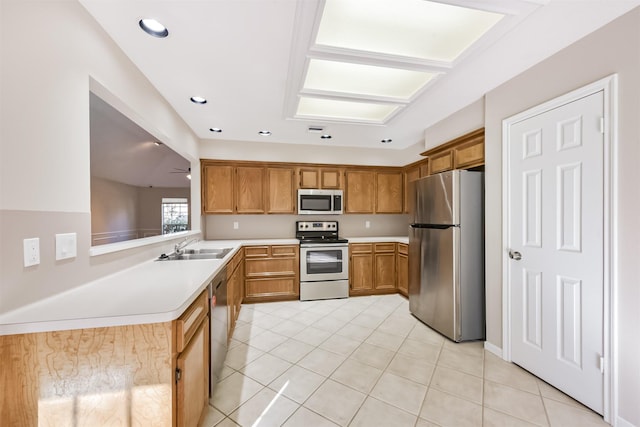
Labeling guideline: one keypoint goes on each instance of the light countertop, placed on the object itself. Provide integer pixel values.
(395, 239)
(149, 292)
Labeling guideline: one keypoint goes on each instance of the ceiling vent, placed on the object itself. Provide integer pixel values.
(316, 129)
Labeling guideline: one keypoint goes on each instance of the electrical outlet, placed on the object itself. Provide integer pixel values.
(31, 251)
(236, 225)
(367, 224)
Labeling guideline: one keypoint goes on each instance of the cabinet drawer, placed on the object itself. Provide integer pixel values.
(256, 251)
(187, 324)
(356, 248)
(270, 267)
(385, 247)
(258, 288)
(403, 248)
(283, 251)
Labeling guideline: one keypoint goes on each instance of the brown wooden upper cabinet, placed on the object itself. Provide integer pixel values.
(249, 189)
(281, 190)
(360, 191)
(218, 188)
(411, 174)
(389, 192)
(373, 191)
(232, 189)
(464, 152)
(316, 177)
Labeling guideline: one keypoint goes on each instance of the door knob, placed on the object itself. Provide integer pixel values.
(515, 255)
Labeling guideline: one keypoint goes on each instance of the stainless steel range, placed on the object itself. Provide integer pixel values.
(324, 260)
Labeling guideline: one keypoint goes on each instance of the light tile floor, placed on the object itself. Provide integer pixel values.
(366, 361)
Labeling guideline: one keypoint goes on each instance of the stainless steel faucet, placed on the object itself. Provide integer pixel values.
(180, 246)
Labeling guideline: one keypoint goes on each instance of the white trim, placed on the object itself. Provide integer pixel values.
(136, 243)
(492, 348)
(608, 85)
(621, 422)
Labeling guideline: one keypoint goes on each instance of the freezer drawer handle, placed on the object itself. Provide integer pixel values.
(515, 255)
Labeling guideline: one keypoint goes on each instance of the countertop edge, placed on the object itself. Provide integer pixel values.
(11, 324)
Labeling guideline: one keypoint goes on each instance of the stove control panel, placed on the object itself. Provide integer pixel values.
(316, 225)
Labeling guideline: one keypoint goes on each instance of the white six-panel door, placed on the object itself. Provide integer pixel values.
(556, 205)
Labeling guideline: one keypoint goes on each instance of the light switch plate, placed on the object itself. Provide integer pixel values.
(66, 246)
(236, 225)
(31, 251)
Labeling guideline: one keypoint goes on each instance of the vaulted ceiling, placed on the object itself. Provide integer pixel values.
(367, 73)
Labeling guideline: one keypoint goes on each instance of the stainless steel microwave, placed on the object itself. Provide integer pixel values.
(319, 202)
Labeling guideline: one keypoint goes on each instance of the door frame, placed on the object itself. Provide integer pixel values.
(609, 86)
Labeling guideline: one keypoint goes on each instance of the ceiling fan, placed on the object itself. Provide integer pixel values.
(185, 171)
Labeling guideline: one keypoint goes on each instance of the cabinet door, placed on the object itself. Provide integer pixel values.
(280, 191)
(193, 385)
(331, 179)
(361, 267)
(249, 189)
(384, 266)
(409, 176)
(389, 192)
(217, 189)
(403, 273)
(469, 154)
(232, 286)
(360, 197)
(441, 162)
(309, 178)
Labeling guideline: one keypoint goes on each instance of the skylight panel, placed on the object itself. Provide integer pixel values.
(344, 110)
(359, 79)
(411, 28)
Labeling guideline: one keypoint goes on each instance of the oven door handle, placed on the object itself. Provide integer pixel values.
(323, 245)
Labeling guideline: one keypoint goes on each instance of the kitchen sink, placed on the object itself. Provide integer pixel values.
(188, 254)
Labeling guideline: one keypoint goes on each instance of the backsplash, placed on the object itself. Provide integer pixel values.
(217, 227)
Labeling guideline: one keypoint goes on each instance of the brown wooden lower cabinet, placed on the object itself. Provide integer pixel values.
(271, 273)
(120, 375)
(372, 268)
(235, 290)
(402, 263)
(192, 375)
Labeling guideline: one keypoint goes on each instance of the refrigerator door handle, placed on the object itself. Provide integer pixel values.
(436, 226)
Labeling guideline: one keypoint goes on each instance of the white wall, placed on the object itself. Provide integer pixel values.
(294, 153)
(283, 226)
(463, 121)
(613, 49)
(49, 53)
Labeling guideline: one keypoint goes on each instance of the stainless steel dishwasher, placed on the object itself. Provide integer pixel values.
(219, 322)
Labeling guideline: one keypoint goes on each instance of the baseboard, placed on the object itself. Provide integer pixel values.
(621, 422)
(492, 348)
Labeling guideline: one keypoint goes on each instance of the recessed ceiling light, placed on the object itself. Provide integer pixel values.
(198, 100)
(153, 28)
(264, 133)
(157, 143)
(325, 136)
(386, 140)
(217, 130)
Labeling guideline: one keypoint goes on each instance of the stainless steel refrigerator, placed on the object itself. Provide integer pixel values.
(446, 253)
